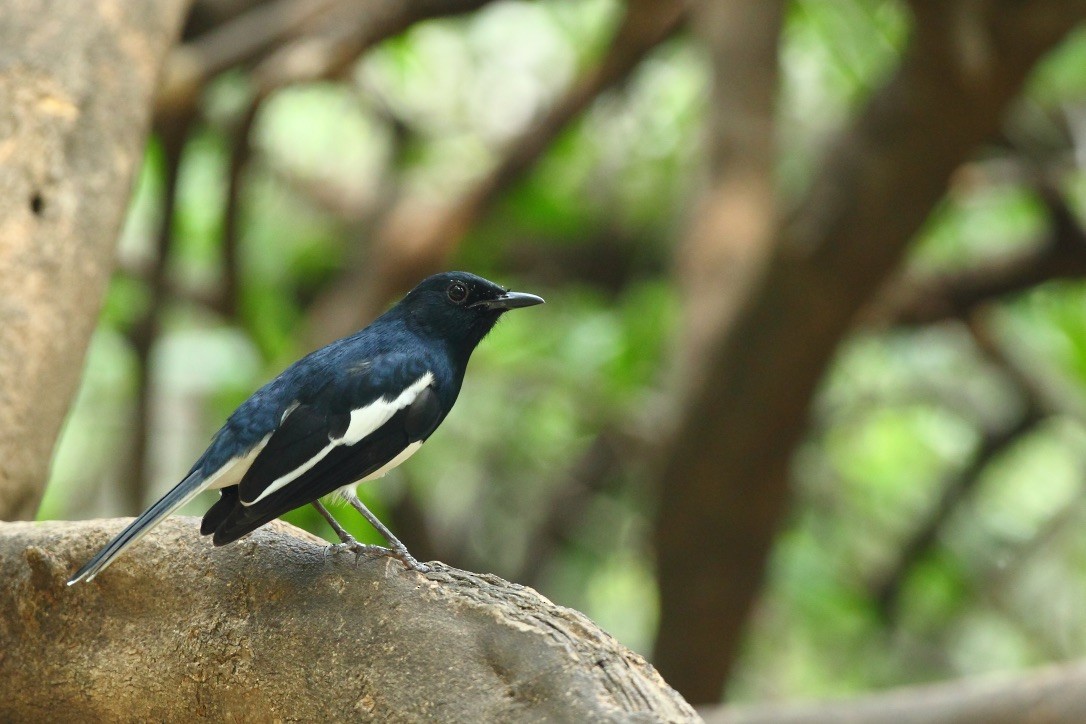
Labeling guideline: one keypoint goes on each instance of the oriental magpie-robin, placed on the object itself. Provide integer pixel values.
(347, 413)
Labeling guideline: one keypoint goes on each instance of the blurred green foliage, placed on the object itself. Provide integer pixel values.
(900, 415)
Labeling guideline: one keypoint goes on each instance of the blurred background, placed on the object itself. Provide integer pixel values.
(932, 524)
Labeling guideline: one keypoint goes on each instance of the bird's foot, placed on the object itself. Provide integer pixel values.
(400, 553)
(396, 549)
(361, 549)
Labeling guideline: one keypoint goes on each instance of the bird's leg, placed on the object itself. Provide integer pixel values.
(399, 550)
(344, 536)
(346, 539)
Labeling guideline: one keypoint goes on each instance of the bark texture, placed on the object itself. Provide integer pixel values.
(1050, 696)
(77, 81)
(725, 486)
(278, 627)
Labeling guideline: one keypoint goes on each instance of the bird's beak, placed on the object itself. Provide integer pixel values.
(510, 300)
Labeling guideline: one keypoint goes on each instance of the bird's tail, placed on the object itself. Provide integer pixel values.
(182, 493)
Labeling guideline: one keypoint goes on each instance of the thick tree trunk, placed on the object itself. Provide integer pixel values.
(280, 627)
(724, 488)
(732, 230)
(720, 257)
(76, 86)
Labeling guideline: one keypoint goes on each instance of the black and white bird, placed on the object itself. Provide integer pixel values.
(347, 413)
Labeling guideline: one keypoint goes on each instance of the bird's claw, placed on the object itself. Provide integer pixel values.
(363, 549)
(399, 552)
(409, 561)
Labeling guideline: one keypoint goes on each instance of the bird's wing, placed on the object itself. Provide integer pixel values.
(328, 443)
(305, 437)
(342, 465)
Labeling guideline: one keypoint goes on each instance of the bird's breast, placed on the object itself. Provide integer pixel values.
(384, 469)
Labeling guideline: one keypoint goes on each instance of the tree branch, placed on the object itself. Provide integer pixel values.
(345, 33)
(239, 40)
(294, 41)
(886, 590)
(280, 627)
(717, 263)
(144, 332)
(926, 301)
(241, 148)
(1052, 695)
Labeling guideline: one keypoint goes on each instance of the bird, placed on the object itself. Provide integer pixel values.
(346, 413)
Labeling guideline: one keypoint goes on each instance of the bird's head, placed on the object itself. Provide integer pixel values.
(460, 307)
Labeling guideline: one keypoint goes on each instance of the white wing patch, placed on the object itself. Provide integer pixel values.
(367, 419)
(234, 469)
(364, 421)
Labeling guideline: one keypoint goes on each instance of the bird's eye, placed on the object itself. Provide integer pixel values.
(457, 292)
